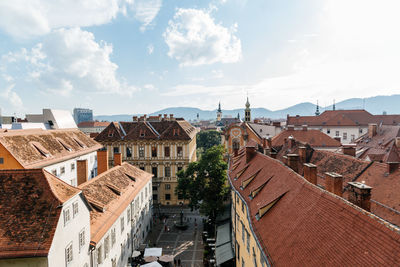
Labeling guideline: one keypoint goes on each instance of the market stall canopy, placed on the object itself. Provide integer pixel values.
(153, 252)
(152, 264)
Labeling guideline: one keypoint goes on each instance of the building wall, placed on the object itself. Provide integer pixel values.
(247, 250)
(163, 185)
(24, 262)
(357, 131)
(68, 233)
(136, 220)
(70, 175)
(9, 162)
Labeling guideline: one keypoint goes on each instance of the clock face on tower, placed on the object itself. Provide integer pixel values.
(235, 132)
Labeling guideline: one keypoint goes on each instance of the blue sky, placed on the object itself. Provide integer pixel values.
(139, 56)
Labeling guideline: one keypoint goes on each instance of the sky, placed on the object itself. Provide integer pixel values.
(140, 56)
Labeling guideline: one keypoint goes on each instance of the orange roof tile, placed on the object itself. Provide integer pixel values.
(314, 138)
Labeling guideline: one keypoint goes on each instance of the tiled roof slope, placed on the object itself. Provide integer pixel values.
(85, 124)
(108, 204)
(141, 130)
(59, 145)
(308, 226)
(343, 118)
(29, 211)
(314, 138)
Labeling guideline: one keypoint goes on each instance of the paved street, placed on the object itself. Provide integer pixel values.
(185, 245)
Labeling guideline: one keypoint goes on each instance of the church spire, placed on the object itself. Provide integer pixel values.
(334, 107)
(317, 110)
(219, 112)
(247, 111)
(219, 107)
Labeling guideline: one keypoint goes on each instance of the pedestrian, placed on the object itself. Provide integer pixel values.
(179, 262)
(174, 262)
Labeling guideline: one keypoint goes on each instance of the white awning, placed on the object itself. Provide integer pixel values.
(153, 252)
(152, 264)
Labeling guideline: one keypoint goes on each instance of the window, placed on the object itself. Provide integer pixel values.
(141, 151)
(328, 131)
(353, 137)
(344, 136)
(179, 168)
(54, 172)
(154, 188)
(167, 171)
(75, 208)
(100, 254)
(243, 262)
(154, 171)
(167, 186)
(361, 131)
(238, 250)
(128, 152)
(62, 170)
(116, 149)
(128, 215)
(243, 237)
(106, 246)
(180, 196)
(336, 133)
(179, 151)
(72, 166)
(243, 206)
(248, 241)
(142, 168)
(155, 197)
(67, 216)
(112, 237)
(114, 262)
(166, 151)
(167, 196)
(68, 254)
(122, 224)
(154, 151)
(81, 239)
(1, 160)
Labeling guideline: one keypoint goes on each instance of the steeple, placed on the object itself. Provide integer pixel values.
(219, 112)
(238, 116)
(247, 111)
(317, 110)
(219, 107)
(334, 107)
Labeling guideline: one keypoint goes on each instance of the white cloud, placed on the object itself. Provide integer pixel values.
(194, 39)
(12, 97)
(28, 18)
(68, 60)
(145, 11)
(150, 49)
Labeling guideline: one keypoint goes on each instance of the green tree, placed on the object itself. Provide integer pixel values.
(203, 183)
(208, 139)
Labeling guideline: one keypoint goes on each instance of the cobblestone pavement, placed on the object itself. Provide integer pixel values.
(186, 245)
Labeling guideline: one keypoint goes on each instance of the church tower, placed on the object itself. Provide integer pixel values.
(219, 112)
(317, 110)
(247, 111)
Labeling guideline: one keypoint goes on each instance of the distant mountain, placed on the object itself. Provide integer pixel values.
(375, 105)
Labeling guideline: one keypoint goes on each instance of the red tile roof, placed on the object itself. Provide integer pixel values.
(59, 145)
(309, 226)
(29, 211)
(101, 192)
(314, 138)
(88, 124)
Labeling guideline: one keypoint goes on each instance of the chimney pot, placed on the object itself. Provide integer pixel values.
(349, 149)
(117, 159)
(293, 162)
(334, 183)
(102, 161)
(303, 154)
(360, 195)
(310, 172)
(292, 142)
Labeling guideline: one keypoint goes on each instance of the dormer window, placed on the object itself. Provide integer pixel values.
(42, 151)
(64, 145)
(110, 134)
(141, 133)
(82, 145)
(265, 208)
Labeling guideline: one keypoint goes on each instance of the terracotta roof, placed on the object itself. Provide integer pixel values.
(142, 130)
(314, 138)
(38, 148)
(101, 193)
(343, 118)
(308, 226)
(30, 202)
(87, 124)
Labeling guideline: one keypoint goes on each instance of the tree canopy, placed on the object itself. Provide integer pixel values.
(208, 139)
(203, 183)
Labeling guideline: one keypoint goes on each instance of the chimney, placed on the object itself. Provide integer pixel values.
(303, 154)
(102, 161)
(250, 153)
(372, 129)
(159, 117)
(291, 141)
(171, 117)
(82, 171)
(264, 142)
(360, 195)
(144, 117)
(117, 159)
(273, 155)
(135, 118)
(337, 138)
(269, 142)
(293, 162)
(304, 127)
(310, 172)
(334, 183)
(165, 117)
(397, 142)
(290, 127)
(349, 149)
(392, 166)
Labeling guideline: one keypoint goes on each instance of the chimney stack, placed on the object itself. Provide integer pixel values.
(117, 159)
(334, 183)
(305, 127)
(293, 162)
(360, 195)
(165, 117)
(171, 117)
(292, 142)
(303, 154)
(372, 129)
(250, 153)
(392, 166)
(102, 161)
(82, 171)
(310, 172)
(135, 118)
(349, 149)
(397, 142)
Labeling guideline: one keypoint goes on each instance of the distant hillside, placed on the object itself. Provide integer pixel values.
(375, 105)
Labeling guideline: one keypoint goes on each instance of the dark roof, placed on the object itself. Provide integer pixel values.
(142, 130)
(308, 226)
(29, 211)
(343, 118)
(314, 138)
